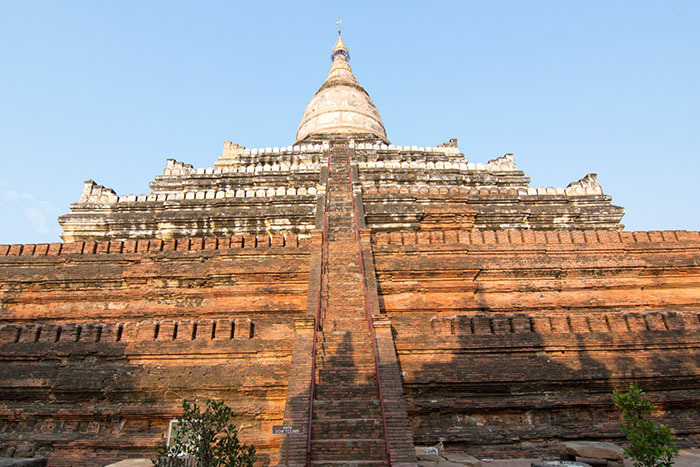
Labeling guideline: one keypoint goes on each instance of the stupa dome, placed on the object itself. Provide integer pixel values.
(341, 106)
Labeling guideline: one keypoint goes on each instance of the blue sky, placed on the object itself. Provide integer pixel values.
(108, 90)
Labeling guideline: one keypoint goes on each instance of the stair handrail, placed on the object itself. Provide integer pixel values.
(317, 318)
(368, 307)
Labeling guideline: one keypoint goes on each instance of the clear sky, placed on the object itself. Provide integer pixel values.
(107, 90)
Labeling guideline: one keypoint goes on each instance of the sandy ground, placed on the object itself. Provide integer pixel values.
(686, 458)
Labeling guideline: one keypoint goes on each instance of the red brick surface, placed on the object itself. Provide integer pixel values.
(507, 347)
(99, 349)
(502, 346)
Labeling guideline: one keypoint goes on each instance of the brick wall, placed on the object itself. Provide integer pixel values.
(510, 341)
(506, 340)
(101, 341)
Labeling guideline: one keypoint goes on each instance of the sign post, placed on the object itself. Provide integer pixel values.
(287, 430)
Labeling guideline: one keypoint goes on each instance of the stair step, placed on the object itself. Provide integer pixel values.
(349, 237)
(348, 320)
(330, 365)
(347, 449)
(331, 334)
(345, 347)
(345, 363)
(358, 325)
(341, 338)
(349, 463)
(347, 288)
(350, 392)
(347, 271)
(357, 338)
(346, 353)
(349, 337)
(345, 360)
(337, 364)
(347, 284)
(348, 428)
(338, 408)
(354, 307)
(362, 387)
(354, 384)
(342, 347)
(354, 335)
(347, 274)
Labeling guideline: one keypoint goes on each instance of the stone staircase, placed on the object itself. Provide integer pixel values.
(347, 425)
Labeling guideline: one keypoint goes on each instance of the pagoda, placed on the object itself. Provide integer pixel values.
(380, 300)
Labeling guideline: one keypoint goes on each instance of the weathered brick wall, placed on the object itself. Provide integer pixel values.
(511, 340)
(507, 340)
(100, 342)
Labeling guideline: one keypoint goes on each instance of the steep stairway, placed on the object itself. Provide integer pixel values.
(345, 384)
(347, 426)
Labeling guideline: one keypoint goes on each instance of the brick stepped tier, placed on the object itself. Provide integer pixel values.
(276, 191)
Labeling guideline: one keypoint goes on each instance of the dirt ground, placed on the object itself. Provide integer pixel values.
(686, 458)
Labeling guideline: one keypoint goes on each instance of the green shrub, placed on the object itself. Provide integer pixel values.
(205, 439)
(651, 444)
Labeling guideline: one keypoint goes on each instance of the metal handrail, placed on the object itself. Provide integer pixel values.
(317, 318)
(368, 310)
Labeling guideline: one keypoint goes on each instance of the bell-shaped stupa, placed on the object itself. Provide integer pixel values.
(341, 107)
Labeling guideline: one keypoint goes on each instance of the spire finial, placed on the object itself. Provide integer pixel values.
(340, 48)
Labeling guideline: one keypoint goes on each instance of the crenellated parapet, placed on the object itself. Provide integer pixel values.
(129, 332)
(588, 185)
(97, 194)
(153, 245)
(287, 157)
(544, 324)
(509, 238)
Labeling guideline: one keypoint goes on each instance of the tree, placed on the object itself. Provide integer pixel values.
(651, 444)
(206, 439)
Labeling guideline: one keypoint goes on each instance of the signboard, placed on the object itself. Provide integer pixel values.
(288, 429)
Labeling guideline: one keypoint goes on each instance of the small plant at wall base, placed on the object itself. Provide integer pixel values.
(651, 444)
(205, 438)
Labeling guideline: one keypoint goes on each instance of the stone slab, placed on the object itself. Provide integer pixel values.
(559, 464)
(592, 449)
(22, 461)
(132, 463)
(462, 458)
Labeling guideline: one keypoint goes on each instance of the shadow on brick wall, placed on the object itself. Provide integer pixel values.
(501, 385)
(95, 393)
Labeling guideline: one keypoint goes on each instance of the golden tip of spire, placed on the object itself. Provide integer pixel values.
(340, 49)
(339, 44)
